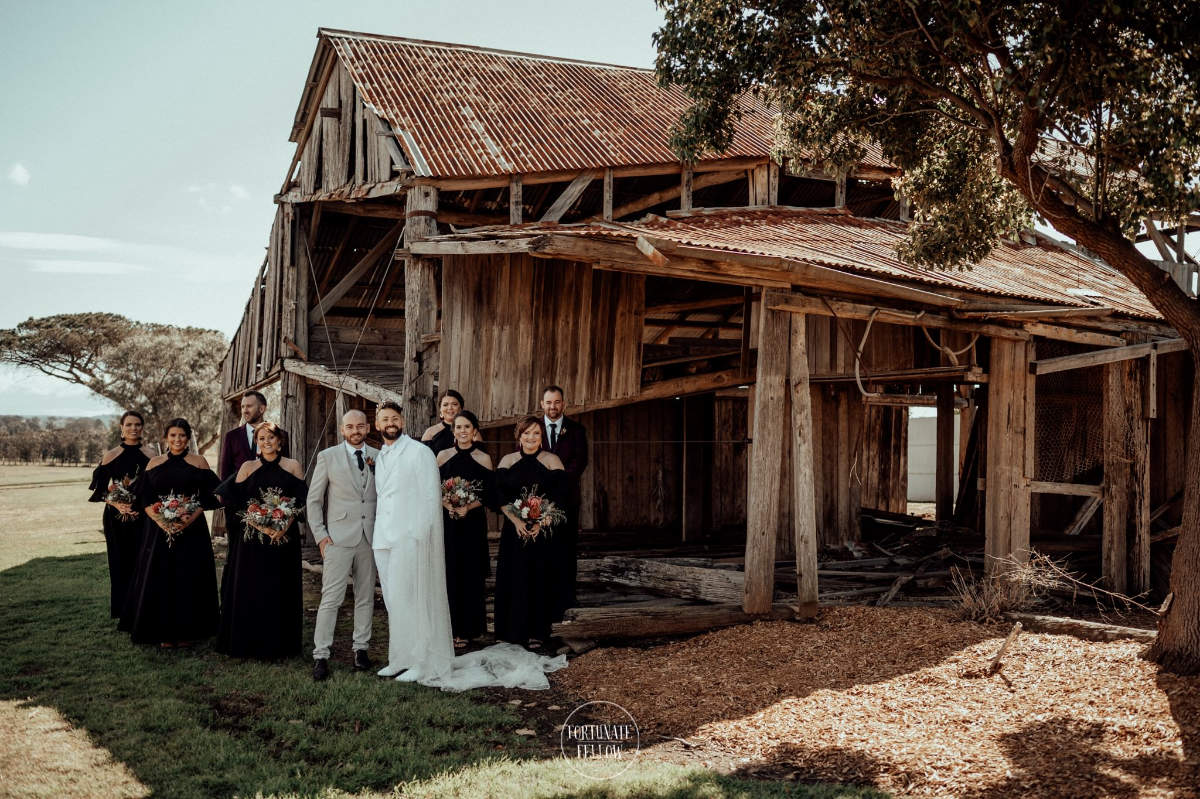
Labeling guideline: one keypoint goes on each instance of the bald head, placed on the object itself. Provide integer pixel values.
(354, 427)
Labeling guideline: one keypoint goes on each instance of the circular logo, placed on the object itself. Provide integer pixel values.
(600, 740)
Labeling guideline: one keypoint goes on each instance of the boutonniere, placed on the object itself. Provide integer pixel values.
(371, 464)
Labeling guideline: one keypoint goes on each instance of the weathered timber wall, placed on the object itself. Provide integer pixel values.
(512, 324)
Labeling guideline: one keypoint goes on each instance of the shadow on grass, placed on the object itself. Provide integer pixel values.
(192, 723)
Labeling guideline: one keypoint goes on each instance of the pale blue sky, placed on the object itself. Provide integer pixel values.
(142, 142)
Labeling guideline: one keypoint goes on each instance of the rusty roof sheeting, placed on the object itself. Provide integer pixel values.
(833, 237)
(461, 111)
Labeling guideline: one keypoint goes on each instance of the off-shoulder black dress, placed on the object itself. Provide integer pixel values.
(524, 584)
(262, 610)
(467, 559)
(173, 595)
(122, 538)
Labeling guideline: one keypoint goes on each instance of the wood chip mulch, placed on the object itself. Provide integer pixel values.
(898, 698)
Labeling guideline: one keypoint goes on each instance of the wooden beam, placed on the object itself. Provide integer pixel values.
(1100, 357)
(666, 195)
(654, 620)
(1006, 525)
(909, 400)
(485, 247)
(340, 382)
(687, 582)
(686, 177)
(803, 488)
(420, 309)
(734, 166)
(839, 192)
(692, 305)
(516, 201)
(1125, 560)
(1085, 514)
(569, 195)
(389, 242)
(1033, 313)
(849, 310)
(944, 466)
(772, 183)
(766, 456)
(1074, 335)
(1160, 241)
(607, 208)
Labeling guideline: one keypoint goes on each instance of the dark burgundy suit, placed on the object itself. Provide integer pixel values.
(235, 450)
(571, 447)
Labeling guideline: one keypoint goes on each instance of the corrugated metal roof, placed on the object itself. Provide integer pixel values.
(465, 111)
(832, 237)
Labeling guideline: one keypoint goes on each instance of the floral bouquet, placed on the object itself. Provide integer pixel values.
(120, 491)
(459, 492)
(170, 510)
(273, 513)
(533, 507)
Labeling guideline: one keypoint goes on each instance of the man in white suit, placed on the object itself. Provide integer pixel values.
(341, 514)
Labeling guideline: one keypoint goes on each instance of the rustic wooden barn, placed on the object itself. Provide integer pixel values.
(738, 335)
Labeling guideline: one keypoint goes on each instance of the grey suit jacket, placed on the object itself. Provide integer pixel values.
(340, 507)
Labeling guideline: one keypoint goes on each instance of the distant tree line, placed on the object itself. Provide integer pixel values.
(55, 440)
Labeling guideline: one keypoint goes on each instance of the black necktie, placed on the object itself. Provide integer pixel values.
(553, 435)
(361, 464)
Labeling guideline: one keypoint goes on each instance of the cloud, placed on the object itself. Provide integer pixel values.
(239, 192)
(69, 266)
(62, 242)
(19, 175)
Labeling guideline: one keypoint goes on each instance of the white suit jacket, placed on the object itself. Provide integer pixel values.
(339, 505)
(410, 494)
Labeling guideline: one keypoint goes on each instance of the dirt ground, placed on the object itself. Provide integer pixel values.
(897, 698)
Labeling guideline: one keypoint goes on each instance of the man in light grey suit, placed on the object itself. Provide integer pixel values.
(341, 514)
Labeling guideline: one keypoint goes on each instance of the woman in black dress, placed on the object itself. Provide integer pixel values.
(524, 595)
(440, 435)
(122, 522)
(467, 558)
(172, 600)
(262, 611)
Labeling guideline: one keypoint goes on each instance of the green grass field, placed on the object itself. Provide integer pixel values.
(83, 712)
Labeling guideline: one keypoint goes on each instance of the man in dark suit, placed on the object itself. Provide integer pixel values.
(238, 445)
(567, 439)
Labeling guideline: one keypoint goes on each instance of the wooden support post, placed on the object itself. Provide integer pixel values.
(772, 183)
(769, 427)
(685, 189)
(945, 464)
(757, 183)
(1125, 560)
(804, 495)
(747, 316)
(420, 310)
(839, 192)
(607, 209)
(694, 412)
(515, 201)
(1006, 524)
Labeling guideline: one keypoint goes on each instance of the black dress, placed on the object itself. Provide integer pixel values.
(442, 439)
(261, 608)
(173, 595)
(467, 558)
(121, 538)
(524, 584)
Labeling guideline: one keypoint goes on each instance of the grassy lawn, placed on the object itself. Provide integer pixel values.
(84, 712)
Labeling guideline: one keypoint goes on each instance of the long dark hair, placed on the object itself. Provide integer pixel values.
(134, 414)
(470, 417)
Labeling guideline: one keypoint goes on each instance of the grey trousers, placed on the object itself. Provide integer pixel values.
(339, 566)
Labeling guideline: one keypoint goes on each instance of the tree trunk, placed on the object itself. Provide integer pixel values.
(1177, 648)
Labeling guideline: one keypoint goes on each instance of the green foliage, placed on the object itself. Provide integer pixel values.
(1085, 113)
(161, 370)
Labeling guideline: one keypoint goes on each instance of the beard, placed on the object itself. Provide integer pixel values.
(391, 433)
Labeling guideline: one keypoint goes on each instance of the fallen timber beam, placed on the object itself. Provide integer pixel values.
(687, 582)
(389, 241)
(340, 382)
(1100, 357)
(632, 621)
(1089, 630)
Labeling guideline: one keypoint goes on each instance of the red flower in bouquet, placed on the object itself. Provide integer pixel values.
(533, 507)
(269, 519)
(120, 492)
(458, 492)
(170, 511)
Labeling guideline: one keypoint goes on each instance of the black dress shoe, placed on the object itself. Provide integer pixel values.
(320, 669)
(362, 660)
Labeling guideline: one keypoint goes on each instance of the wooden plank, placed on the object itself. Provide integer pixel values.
(1060, 333)
(302, 140)
(607, 206)
(654, 620)
(516, 201)
(340, 382)
(1116, 487)
(1007, 507)
(687, 582)
(804, 511)
(491, 247)
(944, 466)
(1101, 357)
(388, 242)
(569, 195)
(850, 310)
(766, 460)
(1085, 514)
(686, 178)
(772, 183)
